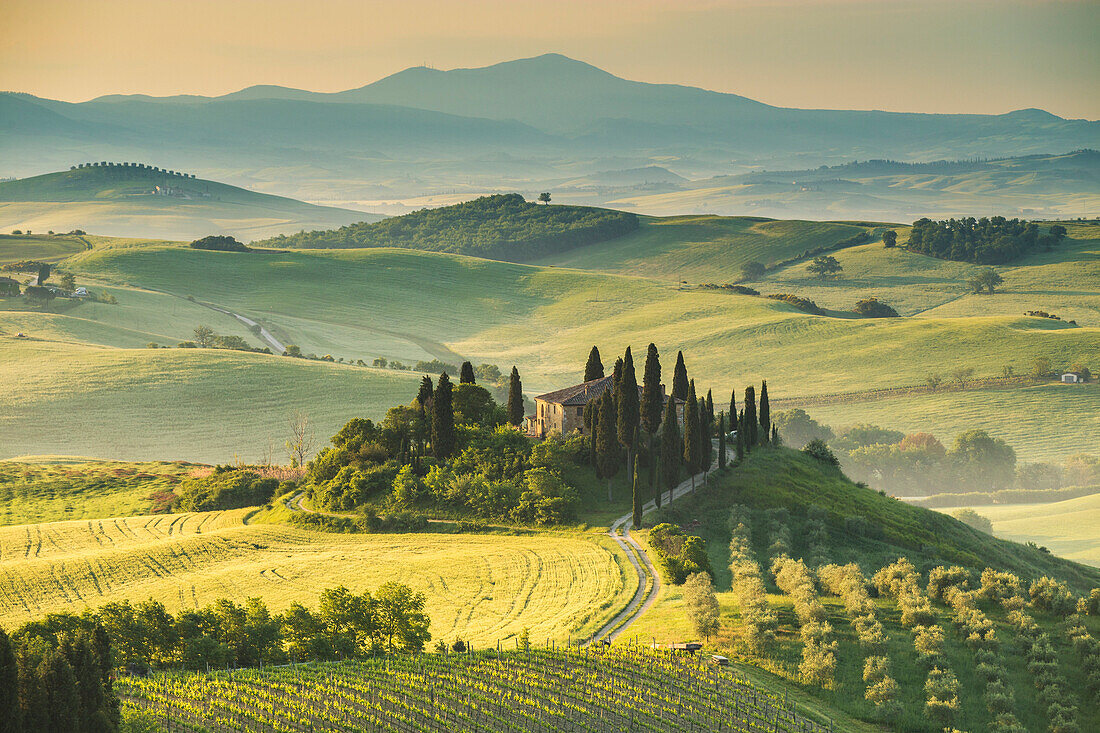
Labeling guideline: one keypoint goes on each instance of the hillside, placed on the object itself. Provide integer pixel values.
(1032, 186)
(708, 248)
(127, 200)
(368, 303)
(522, 125)
(504, 227)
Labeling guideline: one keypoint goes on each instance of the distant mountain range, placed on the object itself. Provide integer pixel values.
(425, 131)
(138, 200)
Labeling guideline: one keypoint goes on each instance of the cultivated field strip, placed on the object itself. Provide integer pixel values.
(481, 588)
(538, 690)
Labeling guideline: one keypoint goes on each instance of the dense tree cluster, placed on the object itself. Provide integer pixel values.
(502, 226)
(454, 450)
(220, 243)
(982, 241)
(226, 488)
(679, 555)
(57, 680)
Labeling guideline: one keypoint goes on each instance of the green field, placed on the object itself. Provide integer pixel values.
(704, 248)
(51, 488)
(482, 588)
(201, 405)
(121, 202)
(1065, 282)
(44, 247)
(1067, 528)
(1020, 415)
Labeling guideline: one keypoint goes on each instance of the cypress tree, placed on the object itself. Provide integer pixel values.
(617, 373)
(740, 446)
(466, 374)
(710, 414)
(636, 498)
(62, 699)
(670, 447)
(733, 410)
(751, 426)
(721, 441)
(628, 408)
(11, 717)
(680, 378)
(652, 406)
(98, 709)
(775, 437)
(443, 419)
(607, 441)
(515, 399)
(706, 445)
(692, 452)
(424, 395)
(32, 694)
(765, 413)
(594, 368)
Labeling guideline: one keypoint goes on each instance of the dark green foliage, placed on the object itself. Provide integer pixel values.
(473, 405)
(741, 440)
(680, 378)
(652, 404)
(706, 445)
(515, 399)
(671, 449)
(873, 308)
(693, 434)
(435, 366)
(225, 488)
(608, 451)
(627, 407)
(749, 422)
(803, 304)
(722, 441)
(987, 462)
(594, 368)
(636, 499)
(709, 415)
(797, 428)
(424, 394)
(818, 450)
(889, 238)
(753, 270)
(824, 266)
(982, 241)
(220, 244)
(443, 419)
(679, 555)
(765, 413)
(501, 226)
(11, 717)
(986, 281)
(43, 274)
(62, 698)
(467, 374)
(733, 409)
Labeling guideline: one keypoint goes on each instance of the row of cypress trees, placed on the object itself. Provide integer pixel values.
(57, 684)
(623, 425)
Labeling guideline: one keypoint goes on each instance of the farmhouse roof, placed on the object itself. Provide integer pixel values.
(578, 394)
(582, 394)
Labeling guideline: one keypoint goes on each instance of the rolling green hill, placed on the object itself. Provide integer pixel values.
(1067, 528)
(40, 247)
(707, 248)
(503, 227)
(127, 200)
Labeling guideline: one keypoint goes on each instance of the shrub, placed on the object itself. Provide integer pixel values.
(971, 518)
(819, 451)
(802, 304)
(1053, 596)
(928, 641)
(872, 308)
(678, 554)
(220, 243)
(941, 578)
(225, 488)
(941, 691)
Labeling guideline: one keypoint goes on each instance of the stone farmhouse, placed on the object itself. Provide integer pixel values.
(562, 411)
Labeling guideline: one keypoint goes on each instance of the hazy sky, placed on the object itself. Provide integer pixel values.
(911, 55)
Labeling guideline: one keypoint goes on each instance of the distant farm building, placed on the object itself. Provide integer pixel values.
(562, 411)
(8, 286)
(1074, 377)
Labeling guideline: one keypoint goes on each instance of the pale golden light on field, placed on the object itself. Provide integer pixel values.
(897, 55)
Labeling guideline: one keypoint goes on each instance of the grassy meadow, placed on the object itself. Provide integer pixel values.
(1067, 528)
(69, 398)
(41, 247)
(52, 488)
(704, 248)
(481, 588)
